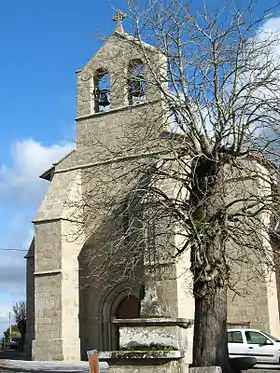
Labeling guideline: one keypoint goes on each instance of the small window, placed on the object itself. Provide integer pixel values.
(101, 91)
(235, 337)
(136, 83)
(255, 338)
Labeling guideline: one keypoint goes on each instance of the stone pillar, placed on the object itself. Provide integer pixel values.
(70, 291)
(29, 300)
(185, 299)
(168, 279)
(56, 293)
(56, 288)
(168, 286)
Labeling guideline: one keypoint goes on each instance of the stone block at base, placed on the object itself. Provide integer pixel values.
(47, 350)
(169, 367)
(213, 369)
(157, 361)
(55, 350)
(153, 333)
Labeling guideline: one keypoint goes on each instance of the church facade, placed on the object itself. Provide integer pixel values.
(69, 307)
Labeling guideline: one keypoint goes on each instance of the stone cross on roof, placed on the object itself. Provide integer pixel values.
(119, 17)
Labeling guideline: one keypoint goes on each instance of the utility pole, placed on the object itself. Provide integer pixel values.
(10, 324)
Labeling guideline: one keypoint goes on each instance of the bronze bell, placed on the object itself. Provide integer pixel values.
(102, 97)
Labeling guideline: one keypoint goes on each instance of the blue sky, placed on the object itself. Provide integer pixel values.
(42, 44)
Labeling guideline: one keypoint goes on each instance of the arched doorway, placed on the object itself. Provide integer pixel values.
(120, 303)
(128, 308)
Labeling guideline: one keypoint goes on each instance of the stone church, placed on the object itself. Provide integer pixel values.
(70, 309)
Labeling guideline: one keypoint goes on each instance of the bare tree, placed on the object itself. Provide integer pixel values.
(210, 173)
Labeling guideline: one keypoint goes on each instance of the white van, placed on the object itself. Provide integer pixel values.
(255, 343)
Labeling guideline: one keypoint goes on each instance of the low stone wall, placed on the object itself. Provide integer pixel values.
(153, 333)
(152, 345)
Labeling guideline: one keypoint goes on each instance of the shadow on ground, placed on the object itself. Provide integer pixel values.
(16, 362)
(12, 355)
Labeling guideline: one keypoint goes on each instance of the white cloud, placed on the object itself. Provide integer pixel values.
(29, 159)
(272, 25)
(12, 273)
(20, 184)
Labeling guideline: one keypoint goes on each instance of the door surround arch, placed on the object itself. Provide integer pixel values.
(108, 311)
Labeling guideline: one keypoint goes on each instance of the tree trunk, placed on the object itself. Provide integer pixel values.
(209, 267)
(210, 326)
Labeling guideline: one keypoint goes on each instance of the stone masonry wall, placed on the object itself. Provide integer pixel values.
(30, 330)
(254, 298)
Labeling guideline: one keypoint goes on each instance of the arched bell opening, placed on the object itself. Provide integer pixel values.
(101, 91)
(136, 82)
